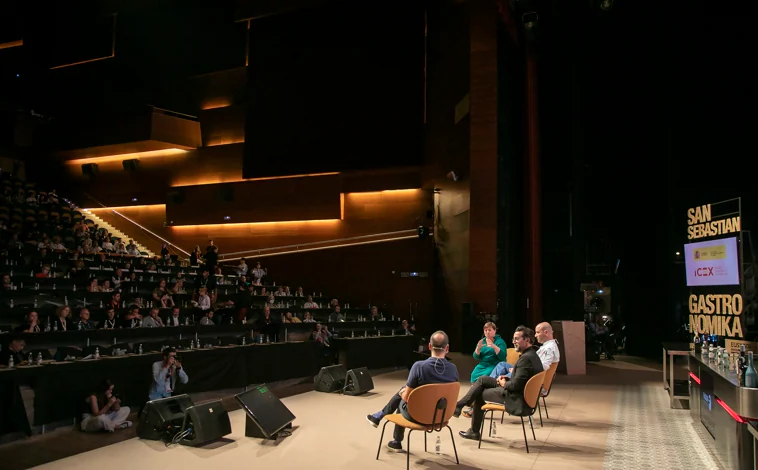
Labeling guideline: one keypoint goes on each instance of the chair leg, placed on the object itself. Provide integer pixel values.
(381, 438)
(481, 429)
(523, 428)
(425, 433)
(532, 426)
(408, 451)
(502, 418)
(539, 408)
(492, 418)
(545, 405)
(454, 449)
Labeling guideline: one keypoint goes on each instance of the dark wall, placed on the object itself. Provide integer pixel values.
(447, 148)
(336, 88)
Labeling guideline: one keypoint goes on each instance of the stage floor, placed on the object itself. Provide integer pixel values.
(331, 431)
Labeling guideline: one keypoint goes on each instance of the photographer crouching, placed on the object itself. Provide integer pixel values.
(165, 373)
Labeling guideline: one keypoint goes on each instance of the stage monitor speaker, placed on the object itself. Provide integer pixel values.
(330, 379)
(358, 381)
(205, 423)
(130, 165)
(267, 416)
(90, 169)
(160, 417)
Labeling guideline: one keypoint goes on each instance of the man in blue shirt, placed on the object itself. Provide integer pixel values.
(165, 373)
(433, 370)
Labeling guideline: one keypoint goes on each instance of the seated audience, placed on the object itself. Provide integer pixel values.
(110, 322)
(207, 319)
(289, 318)
(165, 374)
(175, 318)
(84, 321)
(153, 320)
(62, 319)
(133, 318)
(203, 300)
(307, 318)
(509, 392)
(433, 370)
(103, 411)
(31, 325)
(258, 274)
(406, 328)
(242, 268)
(15, 349)
(336, 316)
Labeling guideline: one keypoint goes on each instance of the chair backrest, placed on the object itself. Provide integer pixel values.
(549, 376)
(512, 356)
(434, 403)
(532, 389)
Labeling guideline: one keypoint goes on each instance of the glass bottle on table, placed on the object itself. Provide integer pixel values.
(751, 376)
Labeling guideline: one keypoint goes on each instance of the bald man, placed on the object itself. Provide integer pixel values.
(548, 351)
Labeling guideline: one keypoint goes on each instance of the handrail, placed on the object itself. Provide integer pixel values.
(135, 223)
(337, 240)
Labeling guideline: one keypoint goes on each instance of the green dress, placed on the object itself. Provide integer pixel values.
(488, 359)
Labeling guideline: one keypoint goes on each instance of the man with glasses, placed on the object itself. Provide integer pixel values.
(165, 373)
(509, 392)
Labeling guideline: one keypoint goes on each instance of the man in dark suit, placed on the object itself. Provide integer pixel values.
(508, 391)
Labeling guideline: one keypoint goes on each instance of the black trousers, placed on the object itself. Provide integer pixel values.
(484, 390)
(393, 406)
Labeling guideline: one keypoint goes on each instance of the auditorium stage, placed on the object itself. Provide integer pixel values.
(332, 432)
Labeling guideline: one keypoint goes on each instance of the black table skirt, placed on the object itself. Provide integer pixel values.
(61, 388)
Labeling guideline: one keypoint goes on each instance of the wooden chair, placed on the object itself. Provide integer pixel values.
(511, 356)
(433, 404)
(549, 376)
(531, 397)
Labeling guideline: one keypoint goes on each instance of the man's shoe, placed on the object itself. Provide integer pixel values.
(470, 434)
(457, 412)
(395, 446)
(375, 418)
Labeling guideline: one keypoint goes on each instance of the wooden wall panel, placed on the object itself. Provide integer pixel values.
(309, 198)
(364, 214)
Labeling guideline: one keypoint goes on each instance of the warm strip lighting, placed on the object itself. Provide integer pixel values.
(342, 206)
(292, 252)
(695, 378)
(386, 191)
(258, 224)
(215, 104)
(8, 45)
(144, 206)
(150, 232)
(128, 156)
(216, 142)
(731, 412)
(218, 180)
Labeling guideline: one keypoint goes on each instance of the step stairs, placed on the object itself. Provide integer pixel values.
(114, 231)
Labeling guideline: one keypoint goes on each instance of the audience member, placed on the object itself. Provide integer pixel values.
(103, 411)
(84, 321)
(15, 350)
(153, 320)
(336, 316)
(165, 374)
(31, 325)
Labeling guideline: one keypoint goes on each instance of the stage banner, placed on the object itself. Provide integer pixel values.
(714, 269)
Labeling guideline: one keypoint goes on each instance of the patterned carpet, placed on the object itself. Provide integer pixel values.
(647, 433)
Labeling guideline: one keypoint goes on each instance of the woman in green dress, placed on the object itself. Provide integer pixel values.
(490, 350)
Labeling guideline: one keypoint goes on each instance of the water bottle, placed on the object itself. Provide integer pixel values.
(31, 274)
(39, 358)
(10, 363)
(751, 376)
(30, 359)
(192, 344)
(139, 351)
(21, 285)
(65, 301)
(186, 321)
(494, 428)
(244, 341)
(231, 321)
(35, 302)
(438, 446)
(267, 340)
(11, 303)
(79, 326)
(123, 304)
(73, 288)
(352, 334)
(97, 353)
(55, 326)
(53, 286)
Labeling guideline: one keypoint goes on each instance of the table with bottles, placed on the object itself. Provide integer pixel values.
(724, 399)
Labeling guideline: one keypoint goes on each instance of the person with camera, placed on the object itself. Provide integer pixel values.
(103, 410)
(165, 374)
